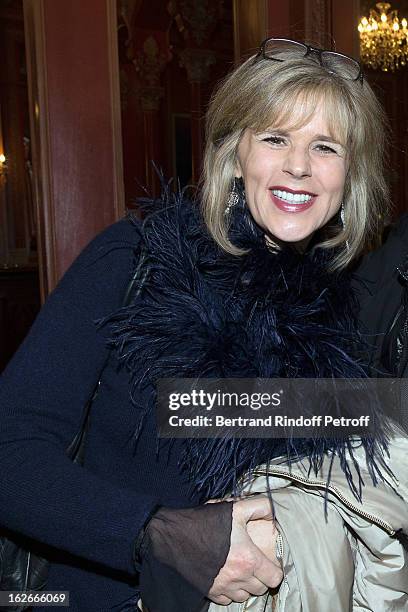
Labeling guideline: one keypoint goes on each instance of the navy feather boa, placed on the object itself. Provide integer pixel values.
(205, 313)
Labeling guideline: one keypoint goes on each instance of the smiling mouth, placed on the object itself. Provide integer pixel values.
(292, 201)
(293, 197)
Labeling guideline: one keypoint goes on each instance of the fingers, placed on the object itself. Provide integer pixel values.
(264, 534)
(247, 570)
(257, 507)
(241, 595)
(268, 572)
(237, 596)
(236, 590)
(256, 587)
(221, 600)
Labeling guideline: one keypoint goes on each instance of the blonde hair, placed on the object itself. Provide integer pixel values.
(264, 93)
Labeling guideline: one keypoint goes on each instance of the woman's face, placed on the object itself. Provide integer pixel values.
(294, 180)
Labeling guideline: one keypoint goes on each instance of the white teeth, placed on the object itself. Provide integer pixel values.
(292, 197)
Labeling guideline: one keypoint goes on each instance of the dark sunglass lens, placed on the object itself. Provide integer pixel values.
(344, 66)
(275, 46)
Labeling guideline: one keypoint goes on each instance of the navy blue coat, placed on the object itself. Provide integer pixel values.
(90, 515)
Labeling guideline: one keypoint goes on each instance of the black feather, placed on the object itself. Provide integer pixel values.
(271, 313)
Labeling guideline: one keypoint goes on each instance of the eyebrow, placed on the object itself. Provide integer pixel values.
(327, 139)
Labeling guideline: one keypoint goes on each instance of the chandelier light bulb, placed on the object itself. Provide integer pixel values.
(2, 158)
(383, 39)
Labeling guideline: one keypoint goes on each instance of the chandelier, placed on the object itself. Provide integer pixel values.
(3, 169)
(383, 39)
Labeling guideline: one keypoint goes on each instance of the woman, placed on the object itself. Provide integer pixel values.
(254, 287)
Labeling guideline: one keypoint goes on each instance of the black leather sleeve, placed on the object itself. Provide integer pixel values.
(380, 288)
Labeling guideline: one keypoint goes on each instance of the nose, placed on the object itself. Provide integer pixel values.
(297, 163)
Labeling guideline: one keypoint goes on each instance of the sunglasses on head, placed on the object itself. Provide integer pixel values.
(339, 64)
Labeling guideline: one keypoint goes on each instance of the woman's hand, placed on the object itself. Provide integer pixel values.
(248, 570)
(263, 533)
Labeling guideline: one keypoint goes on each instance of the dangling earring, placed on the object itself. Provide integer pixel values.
(235, 195)
(342, 217)
(342, 214)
